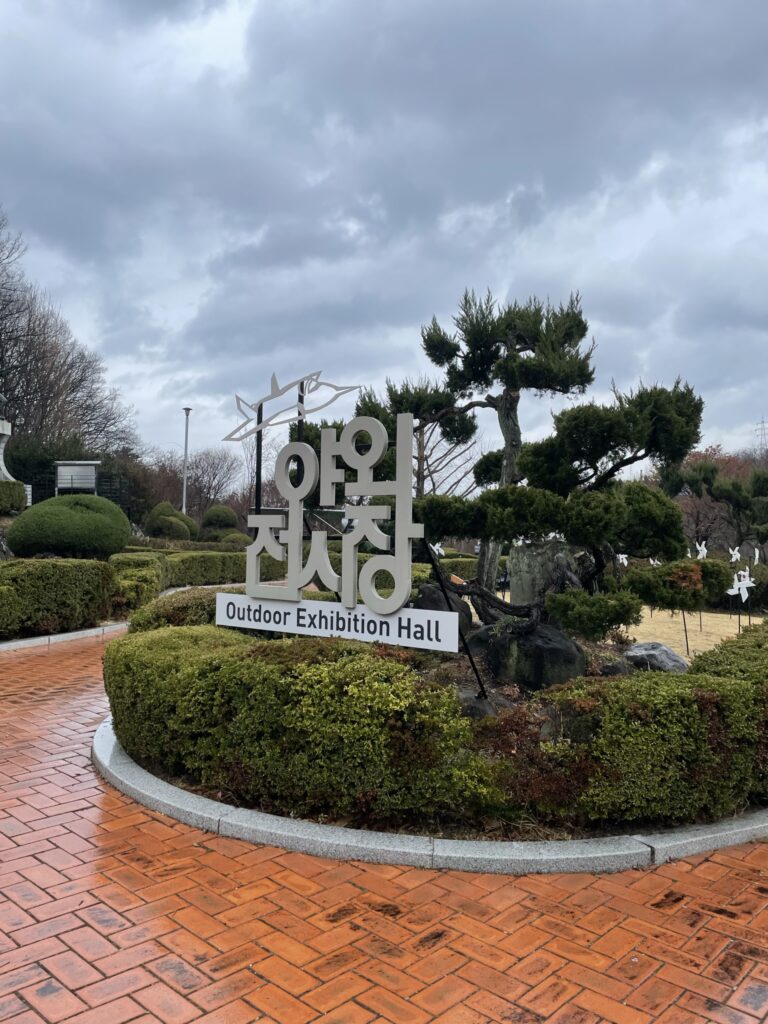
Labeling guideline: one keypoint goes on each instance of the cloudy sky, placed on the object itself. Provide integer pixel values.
(215, 189)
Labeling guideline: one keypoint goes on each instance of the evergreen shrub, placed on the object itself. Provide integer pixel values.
(464, 566)
(141, 577)
(161, 519)
(303, 726)
(70, 526)
(172, 528)
(54, 595)
(13, 497)
(10, 612)
(593, 616)
(195, 606)
(663, 747)
(220, 517)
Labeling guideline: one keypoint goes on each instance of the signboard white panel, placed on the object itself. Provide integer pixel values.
(408, 627)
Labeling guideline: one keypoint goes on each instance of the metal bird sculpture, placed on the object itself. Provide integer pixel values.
(282, 405)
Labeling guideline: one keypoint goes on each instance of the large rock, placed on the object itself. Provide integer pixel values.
(655, 657)
(531, 568)
(534, 660)
(430, 597)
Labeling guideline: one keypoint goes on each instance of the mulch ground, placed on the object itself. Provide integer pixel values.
(112, 913)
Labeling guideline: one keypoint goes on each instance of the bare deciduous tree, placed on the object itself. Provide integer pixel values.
(444, 467)
(211, 475)
(54, 386)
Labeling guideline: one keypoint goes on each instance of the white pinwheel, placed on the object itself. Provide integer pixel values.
(757, 555)
(701, 549)
(742, 583)
(735, 554)
(654, 561)
(622, 559)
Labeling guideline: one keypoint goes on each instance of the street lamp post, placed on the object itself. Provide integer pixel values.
(187, 411)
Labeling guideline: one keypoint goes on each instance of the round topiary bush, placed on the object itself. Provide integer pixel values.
(173, 528)
(220, 517)
(164, 521)
(303, 726)
(71, 526)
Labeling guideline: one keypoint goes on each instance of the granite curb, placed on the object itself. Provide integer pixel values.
(613, 853)
(112, 629)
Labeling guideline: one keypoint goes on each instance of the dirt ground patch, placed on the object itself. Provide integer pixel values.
(667, 628)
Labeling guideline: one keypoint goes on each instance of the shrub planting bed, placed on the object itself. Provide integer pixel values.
(376, 736)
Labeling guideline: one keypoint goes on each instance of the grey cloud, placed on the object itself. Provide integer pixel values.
(369, 161)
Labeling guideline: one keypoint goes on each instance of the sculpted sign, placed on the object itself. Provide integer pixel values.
(382, 582)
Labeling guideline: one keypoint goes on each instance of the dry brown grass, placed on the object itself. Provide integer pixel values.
(667, 628)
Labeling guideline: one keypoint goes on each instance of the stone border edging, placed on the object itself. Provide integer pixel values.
(59, 638)
(609, 854)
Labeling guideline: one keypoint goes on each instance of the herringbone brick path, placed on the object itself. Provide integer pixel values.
(110, 913)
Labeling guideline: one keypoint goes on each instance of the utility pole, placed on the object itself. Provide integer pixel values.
(187, 411)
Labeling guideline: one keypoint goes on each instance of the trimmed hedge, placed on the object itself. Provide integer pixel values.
(465, 567)
(663, 747)
(303, 726)
(141, 577)
(195, 606)
(70, 526)
(13, 497)
(53, 595)
(11, 612)
(297, 725)
(198, 568)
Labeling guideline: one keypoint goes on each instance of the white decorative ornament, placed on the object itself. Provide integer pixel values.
(735, 554)
(318, 394)
(742, 583)
(437, 550)
(701, 549)
(688, 552)
(654, 561)
(622, 559)
(757, 555)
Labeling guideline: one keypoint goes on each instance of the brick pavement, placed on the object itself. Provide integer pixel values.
(111, 913)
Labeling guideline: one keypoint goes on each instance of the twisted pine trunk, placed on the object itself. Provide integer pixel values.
(507, 411)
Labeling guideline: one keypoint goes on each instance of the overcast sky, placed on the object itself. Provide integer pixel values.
(215, 190)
